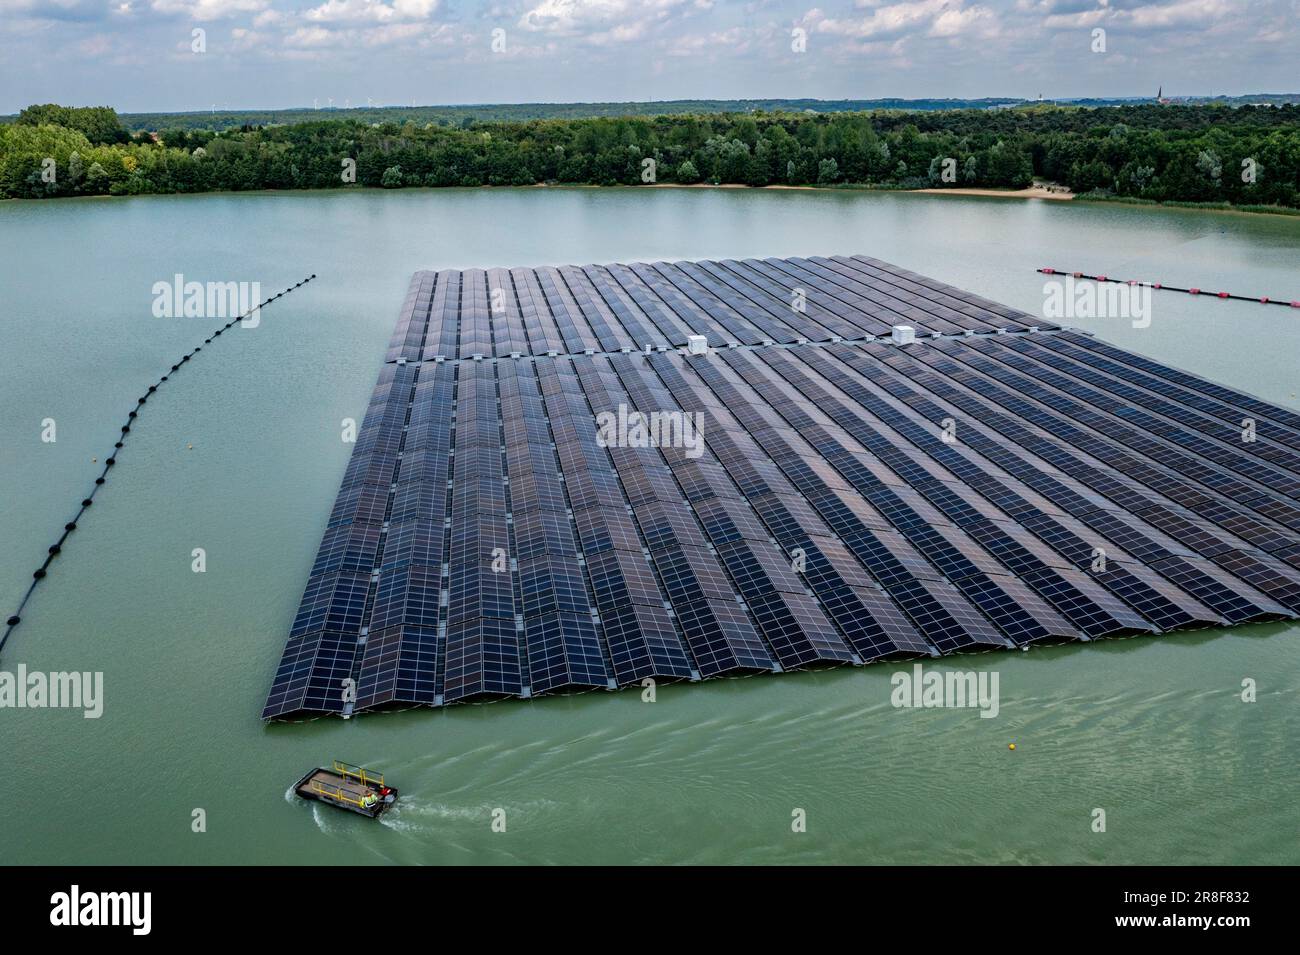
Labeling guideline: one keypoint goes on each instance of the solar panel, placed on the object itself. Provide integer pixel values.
(549, 493)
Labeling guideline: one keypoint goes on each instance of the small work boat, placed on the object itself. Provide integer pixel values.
(348, 787)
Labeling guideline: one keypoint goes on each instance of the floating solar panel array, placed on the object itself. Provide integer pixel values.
(520, 517)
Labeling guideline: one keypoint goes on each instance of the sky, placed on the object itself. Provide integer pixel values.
(164, 55)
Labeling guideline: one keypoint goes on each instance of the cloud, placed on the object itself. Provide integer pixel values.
(963, 21)
(941, 18)
(1059, 6)
(1165, 17)
(205, 10)
(1180, 13)
(315, 37)
(376, 11)
(97, 45)
(1077, 19)
(582, 50)
(57, 10)
(736, 41)
(603, 20)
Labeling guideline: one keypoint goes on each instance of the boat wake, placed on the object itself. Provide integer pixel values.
(410, 816)
(318, 815)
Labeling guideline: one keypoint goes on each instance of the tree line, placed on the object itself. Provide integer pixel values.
(464, 115)
(518, 112)
(1246, 155)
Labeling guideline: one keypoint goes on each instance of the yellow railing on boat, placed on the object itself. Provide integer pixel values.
(364, 776)
(334, 792)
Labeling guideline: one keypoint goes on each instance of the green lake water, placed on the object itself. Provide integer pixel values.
(1152, 730)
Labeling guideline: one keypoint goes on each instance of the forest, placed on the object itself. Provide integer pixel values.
(1247, 156)
(218, 119)
(458, 115)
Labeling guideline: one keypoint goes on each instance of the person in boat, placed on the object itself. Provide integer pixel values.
(369, 800)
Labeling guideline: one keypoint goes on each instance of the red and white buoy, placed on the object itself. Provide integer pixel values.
(1266, 300)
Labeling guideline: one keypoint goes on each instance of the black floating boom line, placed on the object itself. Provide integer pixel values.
(57, 547)
(1263, 299)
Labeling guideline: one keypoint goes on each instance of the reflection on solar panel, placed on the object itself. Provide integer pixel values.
(550, 492)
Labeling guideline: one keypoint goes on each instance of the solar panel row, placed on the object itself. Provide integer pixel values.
(1069, 481)
(614, 308)
(548, 494)
(316, 669)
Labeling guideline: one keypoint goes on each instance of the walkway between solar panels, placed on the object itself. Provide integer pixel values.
(682, 349)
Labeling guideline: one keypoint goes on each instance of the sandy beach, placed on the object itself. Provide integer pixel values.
(1033, 192)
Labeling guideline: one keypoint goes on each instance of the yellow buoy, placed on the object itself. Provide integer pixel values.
(1011, 745)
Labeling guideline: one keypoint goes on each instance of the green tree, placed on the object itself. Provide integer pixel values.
(1166, 153)
(99, 124)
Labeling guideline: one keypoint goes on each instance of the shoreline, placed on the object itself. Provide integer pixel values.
(1032, 192)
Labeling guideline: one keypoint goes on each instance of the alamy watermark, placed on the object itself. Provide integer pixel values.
(76, 908)
(181, 299)
(926, 689)
(1067, 298)
(55, 691)
(656, 429)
